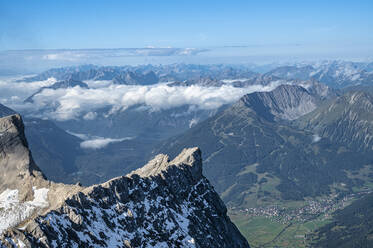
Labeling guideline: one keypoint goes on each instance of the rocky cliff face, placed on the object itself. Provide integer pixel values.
(18, 168)
(164, 204)
(24, 190)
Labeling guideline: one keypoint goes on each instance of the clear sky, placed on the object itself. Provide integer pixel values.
(267, 25)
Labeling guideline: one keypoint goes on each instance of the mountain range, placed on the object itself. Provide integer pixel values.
(336, 74)
(255, 153)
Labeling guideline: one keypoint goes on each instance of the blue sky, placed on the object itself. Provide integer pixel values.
(266, 26)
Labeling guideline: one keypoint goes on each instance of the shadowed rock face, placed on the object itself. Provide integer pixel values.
(17, 166)
(24, 190)
(164, 204)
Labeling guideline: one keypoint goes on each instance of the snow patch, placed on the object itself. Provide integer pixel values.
(13, 212)
(193, 122)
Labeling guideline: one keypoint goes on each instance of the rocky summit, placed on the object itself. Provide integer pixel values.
(164, 204)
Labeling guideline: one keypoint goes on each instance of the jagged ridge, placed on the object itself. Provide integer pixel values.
(163, 204)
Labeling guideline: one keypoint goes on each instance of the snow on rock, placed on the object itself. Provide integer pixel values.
(13, 212)
(163, 204)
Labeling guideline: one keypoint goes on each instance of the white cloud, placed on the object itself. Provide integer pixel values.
(100, 142)
(79, 135)
(316, 138)
(64, 104)
(96, 142)
(66, 56)
(14, 91)
(193, 122)
(90, 116)
(95, 84)
(75, 103)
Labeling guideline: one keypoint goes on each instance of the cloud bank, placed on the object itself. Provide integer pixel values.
(85, 54)
(99, 142)
(76, 103)
(72, 103)
(12, 92)
(95, 142)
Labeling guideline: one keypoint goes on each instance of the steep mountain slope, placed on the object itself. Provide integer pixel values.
(24, 189)
(350, 227)
(5, 111)
(53, 149)
(162, 204)
(251, 157)
(347, 120)
(16, 162)
(284, 103)
(69, 83)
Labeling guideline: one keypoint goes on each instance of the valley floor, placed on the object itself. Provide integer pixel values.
(289, 223)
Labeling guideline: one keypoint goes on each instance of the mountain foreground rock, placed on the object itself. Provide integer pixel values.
(164, 204)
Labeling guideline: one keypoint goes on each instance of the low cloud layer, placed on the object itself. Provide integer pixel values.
(74, 103)
(99, 142)
(316, 138)
(10, 90)
(96, 142)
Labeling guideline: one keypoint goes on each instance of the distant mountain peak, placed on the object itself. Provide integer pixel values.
(286, 102)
